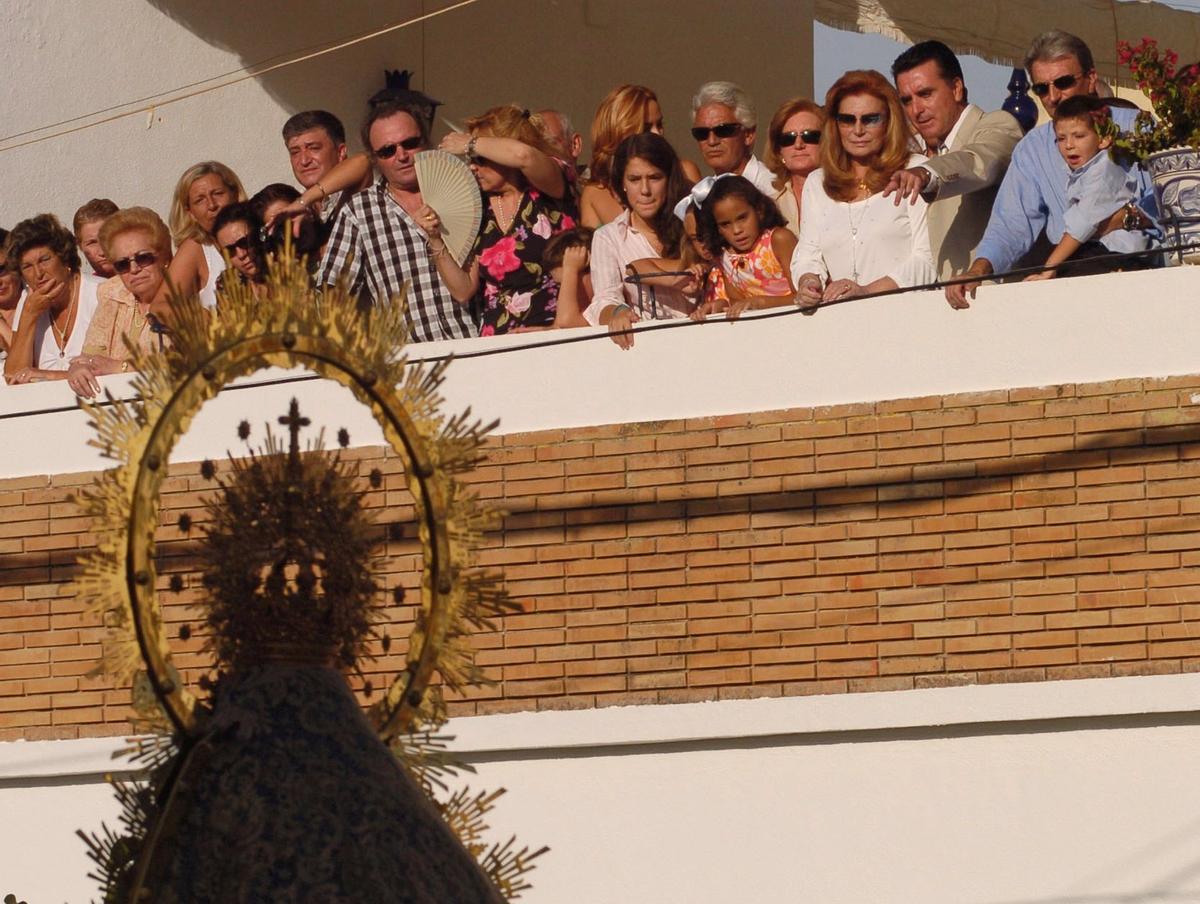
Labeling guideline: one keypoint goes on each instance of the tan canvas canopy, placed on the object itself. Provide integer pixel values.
(1001, 30)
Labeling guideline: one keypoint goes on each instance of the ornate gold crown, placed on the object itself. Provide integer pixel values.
(289, 555)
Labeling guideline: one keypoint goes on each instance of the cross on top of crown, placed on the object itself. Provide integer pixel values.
(293, 421)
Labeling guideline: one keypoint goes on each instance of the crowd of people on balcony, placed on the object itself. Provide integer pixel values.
(888, 184)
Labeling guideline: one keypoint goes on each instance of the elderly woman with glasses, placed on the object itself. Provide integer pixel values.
(853, 239)
(137, 244)
(793, 153)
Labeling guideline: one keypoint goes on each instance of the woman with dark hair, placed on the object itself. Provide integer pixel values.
(649, 182)
(527, 200)
(52, 319)
(237, 230)
(10, 297)
(793, 153)
(853, 239)
(278, 199)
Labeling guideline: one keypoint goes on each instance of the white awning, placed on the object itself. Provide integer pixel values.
(1000, 31)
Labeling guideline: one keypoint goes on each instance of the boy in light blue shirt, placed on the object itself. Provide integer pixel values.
(1096, 187)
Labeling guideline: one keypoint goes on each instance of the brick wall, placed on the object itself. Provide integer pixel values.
(1023, 535)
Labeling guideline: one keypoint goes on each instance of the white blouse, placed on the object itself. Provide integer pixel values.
(864, 240)
(216, 266)
(46, 353)
(614, 246)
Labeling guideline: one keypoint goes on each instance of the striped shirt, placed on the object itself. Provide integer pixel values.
(380, 250)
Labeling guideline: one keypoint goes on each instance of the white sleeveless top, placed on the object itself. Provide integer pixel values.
(216, 266)
(46, 353)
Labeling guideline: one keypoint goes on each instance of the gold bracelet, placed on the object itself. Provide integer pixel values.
(324, 194)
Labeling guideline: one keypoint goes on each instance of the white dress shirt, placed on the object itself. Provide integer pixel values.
(864, 240)
(756, 171)
(944, 148)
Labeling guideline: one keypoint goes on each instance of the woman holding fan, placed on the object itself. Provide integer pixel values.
(527, 200)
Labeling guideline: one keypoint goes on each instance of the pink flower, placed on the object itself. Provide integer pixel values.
(566, 223)
(542, 227)
(519, 303)
(488, 330)
(501, 258)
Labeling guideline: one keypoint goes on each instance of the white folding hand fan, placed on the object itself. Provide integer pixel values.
(449, 187)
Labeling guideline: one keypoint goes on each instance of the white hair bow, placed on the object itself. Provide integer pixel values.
(698, 194)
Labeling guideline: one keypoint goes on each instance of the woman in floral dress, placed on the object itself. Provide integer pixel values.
(527, 200)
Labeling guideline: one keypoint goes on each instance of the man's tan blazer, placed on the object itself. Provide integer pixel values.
(969, 174)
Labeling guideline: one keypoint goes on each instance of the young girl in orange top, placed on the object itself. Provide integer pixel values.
(742, 226)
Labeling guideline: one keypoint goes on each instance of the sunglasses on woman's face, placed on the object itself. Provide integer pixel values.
(868, 120)
(1062, 83)
(242, 244)
(388, 151)
(143, 259)
(724, 130)
(808, 136)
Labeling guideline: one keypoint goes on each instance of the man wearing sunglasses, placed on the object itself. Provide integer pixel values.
(968, 153)
(1033, 196)
(724, 125)
(383, 239)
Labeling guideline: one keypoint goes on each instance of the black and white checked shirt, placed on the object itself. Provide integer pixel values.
(379, 247)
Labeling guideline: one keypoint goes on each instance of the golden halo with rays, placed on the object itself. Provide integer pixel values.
(326, 332)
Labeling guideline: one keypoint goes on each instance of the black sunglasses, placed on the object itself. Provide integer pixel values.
(808, 136)
(143, 259)
(869, 120)
(242, 244)
(388, 151)
(724, 130)
(1062, 83)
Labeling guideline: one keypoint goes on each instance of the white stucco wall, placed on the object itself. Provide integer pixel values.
(1045, 333)
(1066, 792)
(62, 59)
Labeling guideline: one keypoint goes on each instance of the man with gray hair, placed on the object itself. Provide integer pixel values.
(1033, 196)
(725, 126)
(560, 133)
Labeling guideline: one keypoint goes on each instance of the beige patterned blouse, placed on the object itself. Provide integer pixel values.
(117, 315)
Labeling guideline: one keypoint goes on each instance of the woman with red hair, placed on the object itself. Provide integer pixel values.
(853, 240)
(626, 110)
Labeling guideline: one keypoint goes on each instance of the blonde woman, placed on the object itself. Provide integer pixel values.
(137, 244)
(853, 239)
(626, 110)
(201, 193)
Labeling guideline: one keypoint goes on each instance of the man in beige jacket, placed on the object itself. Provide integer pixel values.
(968, 153)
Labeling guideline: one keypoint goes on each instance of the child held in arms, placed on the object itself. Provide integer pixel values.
(1097, 189)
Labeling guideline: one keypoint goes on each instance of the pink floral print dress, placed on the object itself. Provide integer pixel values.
(514, 290)
(756, 273)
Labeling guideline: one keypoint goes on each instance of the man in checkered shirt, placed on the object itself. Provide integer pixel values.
(379, 244)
